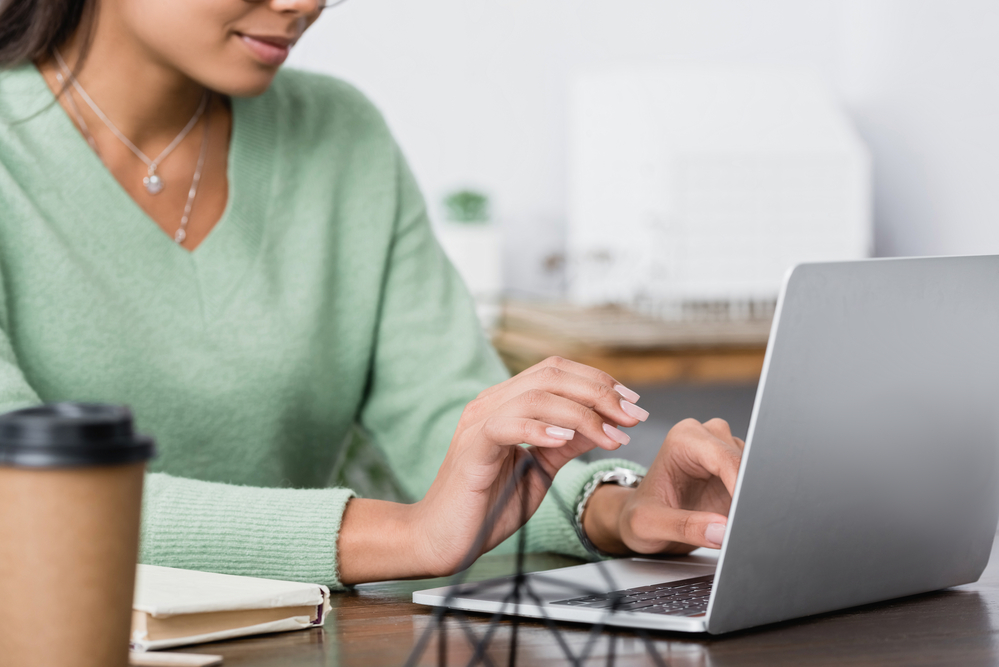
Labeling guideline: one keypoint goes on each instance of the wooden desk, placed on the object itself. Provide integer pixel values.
(377, 625)
(634, 348)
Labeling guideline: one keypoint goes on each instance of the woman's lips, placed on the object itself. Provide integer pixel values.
(269, 52)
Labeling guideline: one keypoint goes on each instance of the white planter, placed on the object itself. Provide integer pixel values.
(476, 250)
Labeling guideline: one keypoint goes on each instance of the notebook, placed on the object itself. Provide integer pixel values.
(174, 607)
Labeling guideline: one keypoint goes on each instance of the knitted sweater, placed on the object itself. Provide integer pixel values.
(320, 302)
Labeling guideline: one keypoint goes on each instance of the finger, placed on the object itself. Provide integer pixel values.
(658, 529)
(573, 367)
(505, 386)
(723, 431)
(721, 460)
(583, 390)
(550, 362)
(560, 411)
(500, 430)
(589, 393)
(589, 372)
(720, 429)
(559, 456)
(701, 450)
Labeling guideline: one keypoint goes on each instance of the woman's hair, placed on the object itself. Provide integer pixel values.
(31, 29)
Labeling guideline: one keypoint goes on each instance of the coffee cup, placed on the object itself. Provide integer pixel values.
(70, 498)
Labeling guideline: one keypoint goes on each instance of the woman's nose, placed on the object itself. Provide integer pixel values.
(297, 6)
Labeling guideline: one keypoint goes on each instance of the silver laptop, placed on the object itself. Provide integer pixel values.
(869, 471)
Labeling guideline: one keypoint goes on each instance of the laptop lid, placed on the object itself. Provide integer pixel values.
(870, 464)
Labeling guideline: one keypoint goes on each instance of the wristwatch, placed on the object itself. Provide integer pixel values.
(621, 477)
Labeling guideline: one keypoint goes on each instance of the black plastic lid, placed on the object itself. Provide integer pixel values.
(69, 435)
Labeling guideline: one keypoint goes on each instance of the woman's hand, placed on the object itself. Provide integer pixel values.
(681, 504)
(558, 408)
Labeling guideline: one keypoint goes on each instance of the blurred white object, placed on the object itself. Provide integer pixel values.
(475, 249)
(702, 185)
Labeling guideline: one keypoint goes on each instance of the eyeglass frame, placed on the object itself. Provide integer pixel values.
(323, 4)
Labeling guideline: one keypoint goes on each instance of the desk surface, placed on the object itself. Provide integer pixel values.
(377, 625)
(634, 348)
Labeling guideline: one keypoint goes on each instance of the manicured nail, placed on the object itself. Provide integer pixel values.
(633, 410)
(715, 533)
(560, 433)
(616, 434)
(626, 393)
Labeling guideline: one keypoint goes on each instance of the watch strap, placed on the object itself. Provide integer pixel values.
(620, 476)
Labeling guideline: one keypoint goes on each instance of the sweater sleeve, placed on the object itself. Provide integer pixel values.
(275, 533)
(15, 392)
(431, 359)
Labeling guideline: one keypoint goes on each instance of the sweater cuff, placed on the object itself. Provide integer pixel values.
(552, 528)
(288, 534)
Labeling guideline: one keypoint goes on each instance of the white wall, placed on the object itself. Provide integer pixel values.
(476, 92)
(921, 78)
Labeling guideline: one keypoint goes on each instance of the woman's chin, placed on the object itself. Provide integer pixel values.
(243, 82)
(250, 89)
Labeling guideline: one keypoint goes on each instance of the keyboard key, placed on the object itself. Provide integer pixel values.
(688, 597)
(645, 589)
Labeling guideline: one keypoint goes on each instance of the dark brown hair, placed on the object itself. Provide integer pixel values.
(30, 29)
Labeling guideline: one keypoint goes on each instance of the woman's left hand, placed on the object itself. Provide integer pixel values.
(681, 504)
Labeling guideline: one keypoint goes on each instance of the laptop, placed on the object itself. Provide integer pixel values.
(869, 473)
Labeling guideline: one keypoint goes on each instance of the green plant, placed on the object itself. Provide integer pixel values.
(466, 206)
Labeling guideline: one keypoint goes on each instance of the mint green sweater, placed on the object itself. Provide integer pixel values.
(320, 302)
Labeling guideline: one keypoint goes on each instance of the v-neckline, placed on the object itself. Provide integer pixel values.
(220, 261)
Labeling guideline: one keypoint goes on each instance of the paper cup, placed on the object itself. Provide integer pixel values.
(70, 498)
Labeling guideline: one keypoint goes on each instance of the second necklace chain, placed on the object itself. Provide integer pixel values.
(181, 234)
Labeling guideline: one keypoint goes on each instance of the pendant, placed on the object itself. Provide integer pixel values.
(153, 183)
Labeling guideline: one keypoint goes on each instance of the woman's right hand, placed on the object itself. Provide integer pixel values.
(558, 408)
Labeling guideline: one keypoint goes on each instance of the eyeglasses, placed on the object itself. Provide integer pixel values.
(323, 4)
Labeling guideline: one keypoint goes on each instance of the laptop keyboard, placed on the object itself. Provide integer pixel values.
(687, 597)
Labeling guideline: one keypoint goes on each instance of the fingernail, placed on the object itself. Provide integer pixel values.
(560, 433)
(715, 533)
(633, 410)
(626, 393)
(616, 434)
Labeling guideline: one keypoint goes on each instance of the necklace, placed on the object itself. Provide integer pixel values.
(154, 184)
(181, 234)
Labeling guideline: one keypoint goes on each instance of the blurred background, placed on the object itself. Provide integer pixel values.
(625, 183)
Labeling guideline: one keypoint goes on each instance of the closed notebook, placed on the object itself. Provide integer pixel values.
(175, 607)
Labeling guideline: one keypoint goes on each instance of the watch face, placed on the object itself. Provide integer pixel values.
(622, 477)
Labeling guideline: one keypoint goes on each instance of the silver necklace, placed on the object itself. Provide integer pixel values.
(181, 234)
(154, 184)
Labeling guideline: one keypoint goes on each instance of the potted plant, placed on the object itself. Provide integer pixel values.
(473, 244)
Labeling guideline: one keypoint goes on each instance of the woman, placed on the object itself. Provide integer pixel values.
(242, 255)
